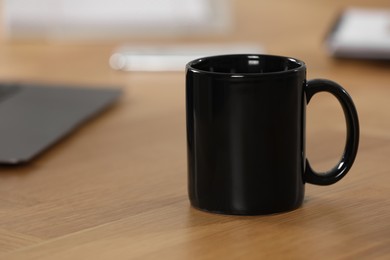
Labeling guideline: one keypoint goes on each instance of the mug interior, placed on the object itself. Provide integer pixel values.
(246, 64)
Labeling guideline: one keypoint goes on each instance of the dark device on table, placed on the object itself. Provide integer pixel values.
(33, 117)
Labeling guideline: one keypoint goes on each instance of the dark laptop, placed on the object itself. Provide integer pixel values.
(34, 116)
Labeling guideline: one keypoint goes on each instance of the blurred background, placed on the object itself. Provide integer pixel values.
(58, 31)
(115, 24)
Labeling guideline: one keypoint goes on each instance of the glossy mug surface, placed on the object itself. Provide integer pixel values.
(245, 119)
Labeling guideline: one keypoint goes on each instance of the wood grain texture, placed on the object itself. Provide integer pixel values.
(117, 189)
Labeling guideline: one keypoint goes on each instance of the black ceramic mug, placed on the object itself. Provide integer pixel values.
(246, 133)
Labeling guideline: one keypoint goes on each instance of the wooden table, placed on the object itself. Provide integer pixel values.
(117, 188)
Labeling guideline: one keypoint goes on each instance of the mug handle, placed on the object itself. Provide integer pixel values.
(352, 123)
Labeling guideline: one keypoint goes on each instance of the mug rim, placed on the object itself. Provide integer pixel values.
(301, 66)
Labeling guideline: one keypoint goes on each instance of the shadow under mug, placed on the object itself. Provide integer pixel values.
(245, 119)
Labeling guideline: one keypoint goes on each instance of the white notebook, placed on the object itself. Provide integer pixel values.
(361, 33)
